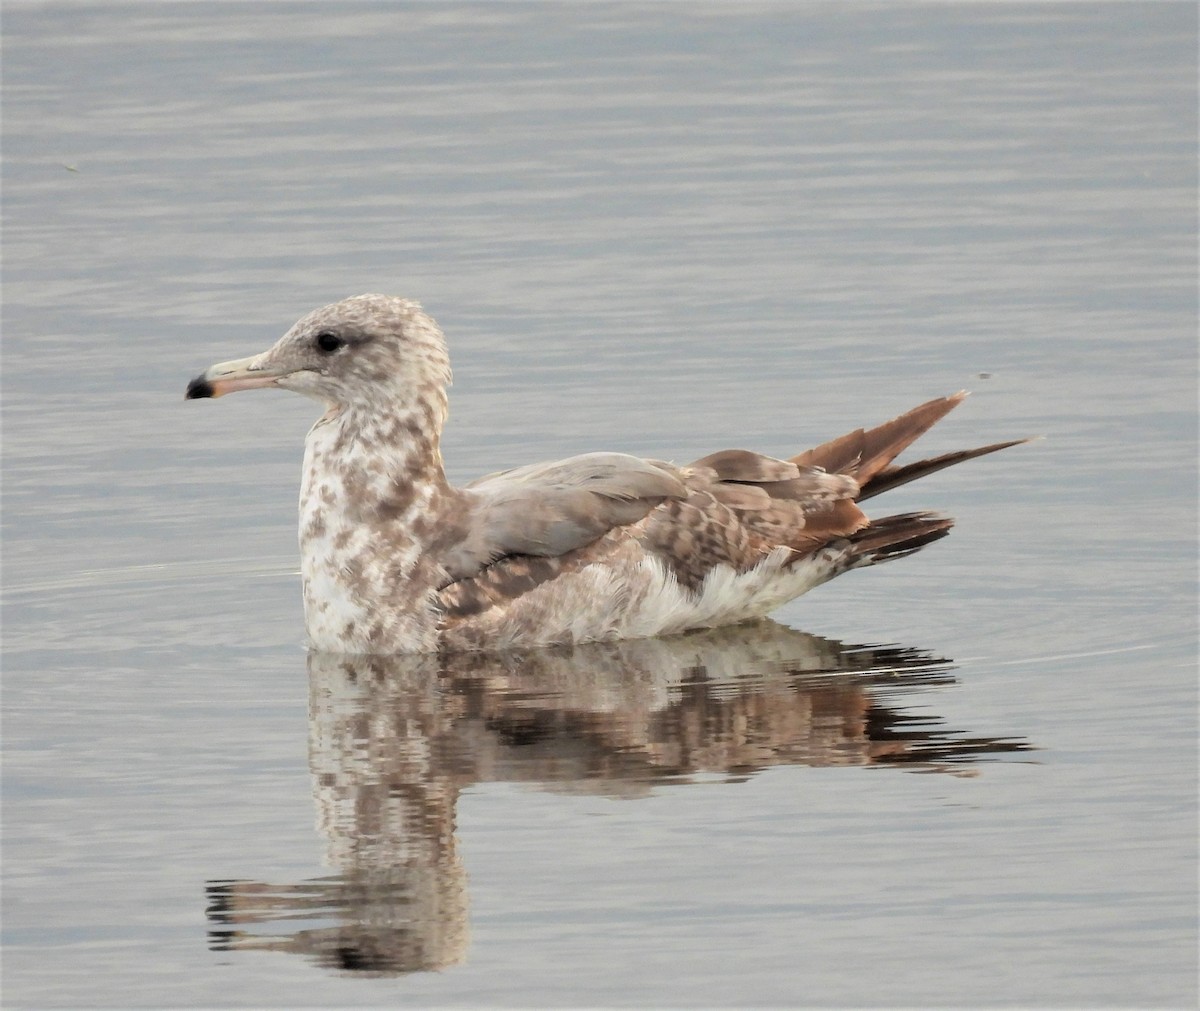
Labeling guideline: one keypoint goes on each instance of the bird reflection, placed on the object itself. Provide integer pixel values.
(394, 739)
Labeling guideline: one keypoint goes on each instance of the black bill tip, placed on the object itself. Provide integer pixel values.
(198, 389)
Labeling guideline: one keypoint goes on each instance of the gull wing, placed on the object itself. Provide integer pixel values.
(550, 509)
(732, 508)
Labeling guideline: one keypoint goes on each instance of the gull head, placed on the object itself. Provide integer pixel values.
(368, 352)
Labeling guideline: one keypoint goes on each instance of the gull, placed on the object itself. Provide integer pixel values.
(395, 559)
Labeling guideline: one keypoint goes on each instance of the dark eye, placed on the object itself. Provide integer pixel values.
(329, 342)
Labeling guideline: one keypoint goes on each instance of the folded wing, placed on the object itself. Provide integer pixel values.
(549, 509)
(734, 508)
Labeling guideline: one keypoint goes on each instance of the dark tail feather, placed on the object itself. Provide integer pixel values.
(893, 477)
(896, 536)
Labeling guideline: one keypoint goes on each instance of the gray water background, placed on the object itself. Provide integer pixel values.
(664, 229)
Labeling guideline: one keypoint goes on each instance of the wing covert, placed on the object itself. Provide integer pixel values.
(549, 509)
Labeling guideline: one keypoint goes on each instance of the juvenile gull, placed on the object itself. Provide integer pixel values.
(599, 546)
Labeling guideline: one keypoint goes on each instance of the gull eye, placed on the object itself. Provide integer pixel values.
(329, 342)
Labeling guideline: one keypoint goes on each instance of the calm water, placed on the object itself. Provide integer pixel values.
(969, 780)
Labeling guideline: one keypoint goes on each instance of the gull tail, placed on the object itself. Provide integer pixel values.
(867, 454)
(895, 537)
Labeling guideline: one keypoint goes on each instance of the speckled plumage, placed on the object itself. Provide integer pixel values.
(395, 560)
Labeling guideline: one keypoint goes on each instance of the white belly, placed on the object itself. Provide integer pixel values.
(604, 601)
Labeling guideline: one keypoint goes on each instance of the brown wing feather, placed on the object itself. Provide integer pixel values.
(515, 575)
(893, 477)
(743, 465)
(863, 453)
